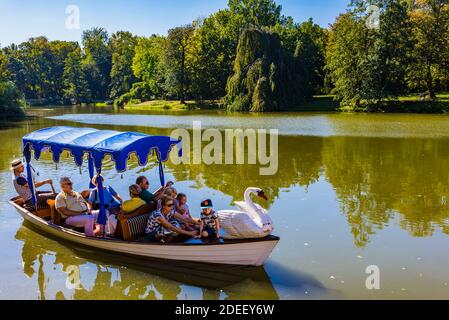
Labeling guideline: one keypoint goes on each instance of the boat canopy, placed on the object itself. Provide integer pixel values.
(96, 144)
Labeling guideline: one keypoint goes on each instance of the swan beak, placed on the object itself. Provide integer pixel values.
(262, 195)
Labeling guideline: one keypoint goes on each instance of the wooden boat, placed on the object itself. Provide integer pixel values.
(251, 252)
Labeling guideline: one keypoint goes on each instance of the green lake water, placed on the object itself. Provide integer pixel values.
(352, 190)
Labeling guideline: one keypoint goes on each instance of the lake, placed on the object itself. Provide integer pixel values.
(351, 191)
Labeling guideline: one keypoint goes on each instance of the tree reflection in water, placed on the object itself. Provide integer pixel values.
(129, 278)
(108, 276)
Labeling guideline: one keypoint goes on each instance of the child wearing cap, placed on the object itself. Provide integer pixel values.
(210, 225)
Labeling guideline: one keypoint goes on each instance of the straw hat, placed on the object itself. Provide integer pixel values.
(16, 164)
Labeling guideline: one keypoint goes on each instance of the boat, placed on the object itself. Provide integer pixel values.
(94, 145)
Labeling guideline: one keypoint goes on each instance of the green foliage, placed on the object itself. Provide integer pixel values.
(122, 76)
(176, 50)
(140, 91)
(250, 54)
(258, 13)
(76, 88)
(310, 56)
(147, 63)
(367, 66)
(4, 72)
(264, 75)
(430, 20)
(11, 101)
(97, 61)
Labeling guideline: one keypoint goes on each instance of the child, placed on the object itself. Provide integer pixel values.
(183, 209)
(210, 225)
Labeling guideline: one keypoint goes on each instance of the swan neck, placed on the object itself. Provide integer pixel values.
(250, 202)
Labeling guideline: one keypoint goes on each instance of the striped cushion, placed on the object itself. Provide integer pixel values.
(137, 225)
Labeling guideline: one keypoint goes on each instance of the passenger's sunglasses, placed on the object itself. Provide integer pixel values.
(169, 205)
(68, 184)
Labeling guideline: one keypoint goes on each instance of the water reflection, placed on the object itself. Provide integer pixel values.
(374, 178)
(129, 278)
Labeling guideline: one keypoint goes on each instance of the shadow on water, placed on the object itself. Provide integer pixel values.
(141, 278)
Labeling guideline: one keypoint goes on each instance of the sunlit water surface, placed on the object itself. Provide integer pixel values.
(351, 191)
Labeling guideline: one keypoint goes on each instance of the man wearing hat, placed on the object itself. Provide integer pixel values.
(21, 185)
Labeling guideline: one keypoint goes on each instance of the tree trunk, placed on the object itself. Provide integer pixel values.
(429, 82)
(182, 75)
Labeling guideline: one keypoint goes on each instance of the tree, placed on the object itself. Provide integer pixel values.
(264, 75)
(122, 76)
(11, 101)
(367, 65)
(431, 28)
(310, 56)
(97, 61)
(257, 13)
(178, 41)
(76, 89)
(4, 72)
(59, 51)
(147, 62)
(218, 37)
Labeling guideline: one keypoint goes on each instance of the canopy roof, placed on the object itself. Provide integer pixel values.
(97, 143)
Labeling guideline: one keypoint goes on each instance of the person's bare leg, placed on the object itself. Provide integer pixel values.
(98, 230)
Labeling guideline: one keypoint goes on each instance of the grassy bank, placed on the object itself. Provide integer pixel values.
(174, 105)
(405, 104)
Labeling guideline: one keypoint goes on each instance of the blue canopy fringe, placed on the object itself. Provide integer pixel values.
(98, 143)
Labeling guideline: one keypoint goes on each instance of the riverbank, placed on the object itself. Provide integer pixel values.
(176, 105)
(320, 103)
(412, 103)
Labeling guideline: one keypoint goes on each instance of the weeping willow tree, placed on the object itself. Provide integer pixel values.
(265, 76)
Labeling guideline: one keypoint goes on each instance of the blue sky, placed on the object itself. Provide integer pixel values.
(20, 20)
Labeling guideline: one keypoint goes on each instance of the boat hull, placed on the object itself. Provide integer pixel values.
(238, 252)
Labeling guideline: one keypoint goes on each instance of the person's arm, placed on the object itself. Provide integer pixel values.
(181, 217)
(201, 229)
(91, 200)
(24, 183)
(68, 212)
(169, 226)
(116, 195)
(217, 222)
(41, 183)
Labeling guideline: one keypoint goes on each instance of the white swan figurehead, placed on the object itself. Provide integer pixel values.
(252, 221)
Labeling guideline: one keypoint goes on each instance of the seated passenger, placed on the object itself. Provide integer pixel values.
(169, 192)
(74, 209)
(135, 202)
(183, 209)
(21, 185)
(145, 195)
(162, 226)
(112, 200)
(210, 225)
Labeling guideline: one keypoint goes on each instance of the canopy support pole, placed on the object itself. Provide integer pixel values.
(161, 169)
(30, 181)
(30, 178)
(91, 171)
(102, 218)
